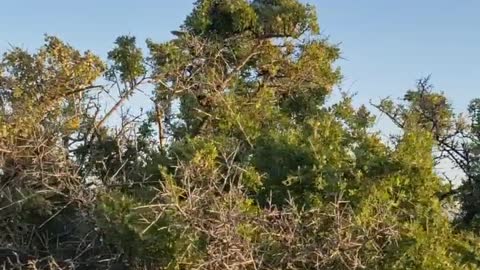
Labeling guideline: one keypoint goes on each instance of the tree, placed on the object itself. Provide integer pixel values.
(456, 140)
(43, 104)
(251, 167)
(265, 174)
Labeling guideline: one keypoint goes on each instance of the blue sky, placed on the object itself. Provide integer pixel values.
(386, 45)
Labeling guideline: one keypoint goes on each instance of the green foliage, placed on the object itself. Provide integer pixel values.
(126, 223)
(127, 60)
(254, 167)
(45, 88)
(223, 18)
(265, 19)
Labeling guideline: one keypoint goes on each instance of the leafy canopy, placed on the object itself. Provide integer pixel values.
(243, 161)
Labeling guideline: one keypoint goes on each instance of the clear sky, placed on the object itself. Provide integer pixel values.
(386, 45)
